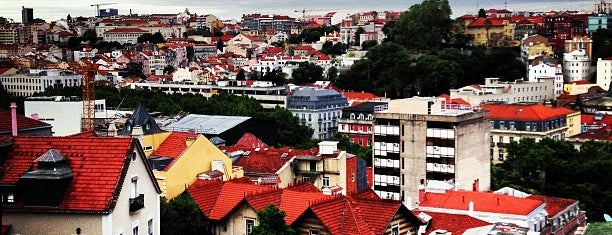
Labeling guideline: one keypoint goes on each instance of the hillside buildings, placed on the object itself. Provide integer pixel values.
(493, 90)
(38, 80)
(421, 140)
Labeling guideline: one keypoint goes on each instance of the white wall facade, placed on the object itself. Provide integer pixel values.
(543, 70)
(604, 73)
(27, 84)
(514, 92)
(576, 66)
(63, 115)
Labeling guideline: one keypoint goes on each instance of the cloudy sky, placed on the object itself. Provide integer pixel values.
(233, 9)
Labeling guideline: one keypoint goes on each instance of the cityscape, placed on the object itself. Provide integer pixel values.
(421, 117)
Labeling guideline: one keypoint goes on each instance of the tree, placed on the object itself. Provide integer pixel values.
(332, 73)
(91, 36)
(151, 38)
(182, 216)
(366, 45)
(169, 69)
(220, 45)
(423, 26)
(357, 36)
(240, 75)
(482, 13)
(135, 70)
(272, 221)
(307, 73)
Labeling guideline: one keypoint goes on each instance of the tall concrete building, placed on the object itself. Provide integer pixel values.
(422, 140)
(27, 15)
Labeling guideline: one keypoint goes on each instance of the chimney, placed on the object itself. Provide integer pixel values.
(14, 118)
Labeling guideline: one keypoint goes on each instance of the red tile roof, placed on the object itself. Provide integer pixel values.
(483, 202)
(98, 171)
(554, 205)
(533, 112)
(481, 22)
(23, 123)
(173, 146)
(265, 160)
(251, 141)
(582, 82)
(604, 133)
(126, 30)
(359, 95)
(456, 224)
(589, 119)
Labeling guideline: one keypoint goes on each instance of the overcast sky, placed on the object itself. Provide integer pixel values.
(233, 9)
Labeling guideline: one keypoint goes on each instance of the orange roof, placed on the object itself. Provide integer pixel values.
(250, 140)
(456, 224)
(127, 30)
(483, 202)
(173, 146)
(359, 95)
(533, 112)
(554, 205)
(98, 171)
(266, 160)
(23, 123)
(581, 82)
(481, 22)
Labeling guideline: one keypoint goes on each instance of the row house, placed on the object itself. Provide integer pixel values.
(259, 22)
(432, 141)
(78, 185)
(231, 207)
(510, 92)
(317, 108)
(9, 36)
(527, 26)
(512, 122)
(535, 46)
(584, 43)
(543, 69)
(579, 87)
(562, 26)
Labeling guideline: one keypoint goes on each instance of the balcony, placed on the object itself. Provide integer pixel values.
(136, 203)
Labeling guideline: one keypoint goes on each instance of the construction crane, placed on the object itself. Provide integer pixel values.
(101, 4)
(304, 10)
(88, 95)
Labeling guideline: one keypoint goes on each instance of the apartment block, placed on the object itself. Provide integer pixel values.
(421, 140)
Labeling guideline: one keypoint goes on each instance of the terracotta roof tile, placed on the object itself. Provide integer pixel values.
(265, 160)
(481, 22)
(97, 169)
(456, 224)
(251, 141)
(483, 201)
(174, 145)
(554, 205)
(23, 122)
(533, 112)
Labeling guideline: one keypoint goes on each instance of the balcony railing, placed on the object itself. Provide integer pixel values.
(136, 203)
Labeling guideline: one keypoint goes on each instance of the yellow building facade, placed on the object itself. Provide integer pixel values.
(193, 154)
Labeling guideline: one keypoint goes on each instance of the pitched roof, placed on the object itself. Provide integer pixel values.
(126, 30)
(251, 141)
(359, 95)
(482, 22)
(23, 123)
(456, 224)
(98, 171)
(531, 112)
(173, 146)
(265, 160)
(483, 202)
(140, 117)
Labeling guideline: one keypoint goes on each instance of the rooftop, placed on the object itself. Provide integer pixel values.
(483, 202)
(529, 112)
(23, 123)
(206, 124)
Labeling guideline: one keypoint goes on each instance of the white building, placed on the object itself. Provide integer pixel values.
(63, 113)
(85, 53)
(123, 35)
(509, 92)
(576, 66)
(38, 80)
(604, 73)
(547, 70)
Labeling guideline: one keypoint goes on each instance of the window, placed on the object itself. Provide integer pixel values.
(501, 155)
(491, 124)
(511, 125)
(135, 230)
(306, 178)
(395, 229)
(134, 186)
(502, 125)
(148, 148)
(353, 177)
(325, 181)
(150, 227)
(250, 223)
(314, 232)
(511, 138)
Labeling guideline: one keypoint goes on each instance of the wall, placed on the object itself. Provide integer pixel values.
(472, 161)
(30, 223)
(310, 222)
(195, 159)
(401, 221)
(65, 117)
(121, 219)
(236, 222)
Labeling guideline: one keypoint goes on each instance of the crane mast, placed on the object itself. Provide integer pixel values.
(88, 86)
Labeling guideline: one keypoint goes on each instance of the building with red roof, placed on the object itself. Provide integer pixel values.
(438, 222)
(511, 122)
(494, 90)
(123, 35)
(25, 126)
(356, 122)
(179, 158)
(232, 206)
(495, 32)
(77, 183)
(487, 206)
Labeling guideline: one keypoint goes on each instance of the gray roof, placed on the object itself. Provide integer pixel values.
(141, 118)
(314, 93)
(206, 124)
(51, 155)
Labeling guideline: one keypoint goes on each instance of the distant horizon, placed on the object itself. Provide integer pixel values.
(234, 9)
